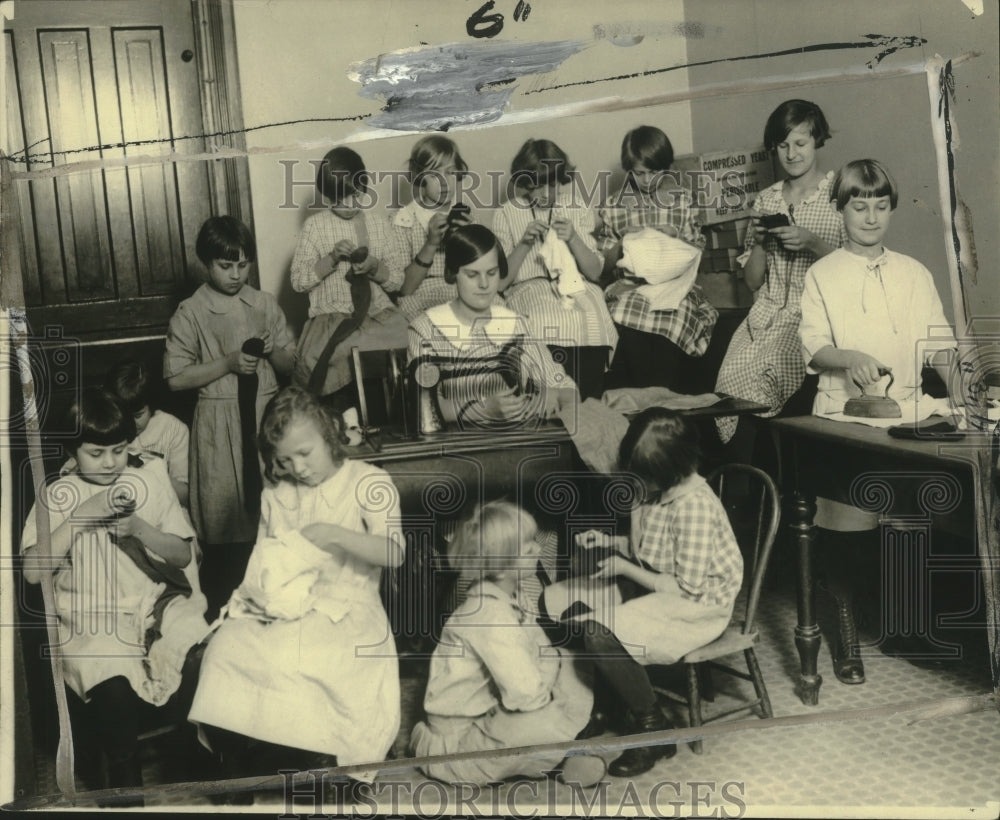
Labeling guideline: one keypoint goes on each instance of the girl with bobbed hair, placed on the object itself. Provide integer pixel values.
(476, 326)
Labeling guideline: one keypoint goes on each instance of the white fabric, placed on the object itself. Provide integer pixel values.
(561, 266)
(668, 265)
(325, 680)
(887, 308)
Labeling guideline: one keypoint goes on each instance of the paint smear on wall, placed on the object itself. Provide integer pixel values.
(630, 33)
(437, 87)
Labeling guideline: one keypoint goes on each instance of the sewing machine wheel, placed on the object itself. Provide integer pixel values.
(427, 374)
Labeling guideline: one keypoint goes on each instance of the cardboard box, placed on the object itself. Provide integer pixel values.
(725, 290)
(725, 183)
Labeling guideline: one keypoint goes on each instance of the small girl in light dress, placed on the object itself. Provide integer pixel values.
(496, 681)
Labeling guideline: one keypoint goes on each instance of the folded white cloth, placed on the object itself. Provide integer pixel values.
(561, 266)
(668, 265)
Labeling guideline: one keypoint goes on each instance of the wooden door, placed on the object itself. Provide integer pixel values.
(106, 250)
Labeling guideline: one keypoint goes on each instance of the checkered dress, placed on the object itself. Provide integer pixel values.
(586, 322)
(673, 214)
(690, 326)
(686, 534)
(332, 294)
(764, 359)
(409, 234)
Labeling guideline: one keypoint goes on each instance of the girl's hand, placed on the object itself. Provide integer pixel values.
(760, 233)
(504, 406)
(794, 237)
(610, 567)
(596, 538)
(370, 268)
(343, 248)
(240, 363)
(436, 229)
(564, 229)
(535, 232)
(265, 336)
(864, 369)
(125, 525)
(96, 509)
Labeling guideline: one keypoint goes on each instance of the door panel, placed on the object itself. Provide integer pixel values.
(112, 249)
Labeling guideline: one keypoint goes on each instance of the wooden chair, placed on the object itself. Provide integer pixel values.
(386, 406)
(738, 637)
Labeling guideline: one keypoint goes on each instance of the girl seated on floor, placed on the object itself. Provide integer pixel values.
(496, 681)
(120, 553)
(523, 382)
(666, 589)
(304, 659)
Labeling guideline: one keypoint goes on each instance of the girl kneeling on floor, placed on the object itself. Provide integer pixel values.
(496, 681)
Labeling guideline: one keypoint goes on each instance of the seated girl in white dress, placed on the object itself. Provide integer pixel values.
(305, 658)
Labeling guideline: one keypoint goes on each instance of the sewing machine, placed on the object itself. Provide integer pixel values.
(429, 371)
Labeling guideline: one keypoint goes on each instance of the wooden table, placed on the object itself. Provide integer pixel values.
(921, 483)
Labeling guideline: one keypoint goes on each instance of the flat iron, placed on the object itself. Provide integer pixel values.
(874, 407)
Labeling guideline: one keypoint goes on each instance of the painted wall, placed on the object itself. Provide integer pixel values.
(883, 118)
(294, 58)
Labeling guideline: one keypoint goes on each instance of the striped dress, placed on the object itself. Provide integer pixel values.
(533, 294)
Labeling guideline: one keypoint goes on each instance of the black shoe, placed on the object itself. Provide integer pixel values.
(847, 664)
(595, 726)
(640, 760)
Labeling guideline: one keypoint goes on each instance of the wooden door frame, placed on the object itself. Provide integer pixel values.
(222, 107)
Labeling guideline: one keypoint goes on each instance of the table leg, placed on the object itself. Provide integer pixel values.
(807, 634)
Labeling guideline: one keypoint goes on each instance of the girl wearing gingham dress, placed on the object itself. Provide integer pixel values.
(764, 359)
(667, 337)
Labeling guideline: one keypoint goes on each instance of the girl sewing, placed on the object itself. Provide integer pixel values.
(121, 558)
(674, 325)
(521, 382)
(667, 588)
(229, 341)
(344, 260)
(554, 263)
(304, 658)
(435, 167)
